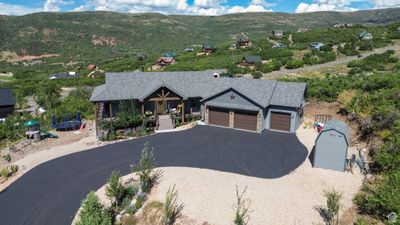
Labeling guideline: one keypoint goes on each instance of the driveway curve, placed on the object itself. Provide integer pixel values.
(51, 193)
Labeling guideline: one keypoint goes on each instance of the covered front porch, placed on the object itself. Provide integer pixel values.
(163, 101)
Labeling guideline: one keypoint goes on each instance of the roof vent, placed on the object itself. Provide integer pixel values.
(216, 75)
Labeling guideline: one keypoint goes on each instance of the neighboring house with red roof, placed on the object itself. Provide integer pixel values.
(164, 61)
(91, 67)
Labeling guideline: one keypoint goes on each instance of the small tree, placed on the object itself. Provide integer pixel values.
(145, 168)
(93, 213)
(241, 208)
(333, 204)
(172, 208)
(114, 189)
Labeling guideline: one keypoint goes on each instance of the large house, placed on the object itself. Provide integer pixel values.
(7, 102)
(239, 103)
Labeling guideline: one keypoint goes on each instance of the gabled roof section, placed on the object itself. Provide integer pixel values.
(197, 84)
(6, 97)
(288, 94)
(252, 58)
(338, 126)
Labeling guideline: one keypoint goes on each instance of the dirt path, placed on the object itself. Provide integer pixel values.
(339, 61)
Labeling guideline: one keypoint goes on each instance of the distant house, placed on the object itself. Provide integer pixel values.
(208, 48)
(7, 102)
(278, 33)
(189, 49)
(302, 30)
(140, 56)
(164, 61)
(342, 25)
(365, 36)
(91, 67)
(279, 45)
(398, 30)
(170, 54)
(67, 75)
(243, 42)
(250, 60)
(316, 45)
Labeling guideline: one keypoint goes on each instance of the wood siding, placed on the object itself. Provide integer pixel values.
(280, 121)
(245, 120)
(219, 117)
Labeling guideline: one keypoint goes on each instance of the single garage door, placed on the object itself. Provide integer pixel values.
(218, 117)
(245, 120)
(280, 121)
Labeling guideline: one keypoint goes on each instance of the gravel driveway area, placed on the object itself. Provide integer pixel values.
(51, 193)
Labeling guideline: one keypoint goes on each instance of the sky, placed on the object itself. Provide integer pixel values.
(191, 7)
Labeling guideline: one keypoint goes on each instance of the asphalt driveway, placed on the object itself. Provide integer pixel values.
(51, 193)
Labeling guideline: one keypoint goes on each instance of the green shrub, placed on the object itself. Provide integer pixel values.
(4, 172)
(382, 198)
(13, 168)
(172, 208)
(132, 190)
(256, 75)
(144, 168)
(294, 64)
(139, 201)
(93, 213)
(126, 202)
(7, 157)
(361, 221)
(241, 208)
(114, 188)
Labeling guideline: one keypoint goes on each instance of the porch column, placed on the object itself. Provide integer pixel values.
(110, 110)
(183, 111)
(142, 108)
(96, 116)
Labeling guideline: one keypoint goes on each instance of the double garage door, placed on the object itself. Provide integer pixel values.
(242, 120)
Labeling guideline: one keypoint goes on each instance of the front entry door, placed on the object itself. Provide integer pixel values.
(160, 107)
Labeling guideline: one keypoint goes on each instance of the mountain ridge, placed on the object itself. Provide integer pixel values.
(103, 33)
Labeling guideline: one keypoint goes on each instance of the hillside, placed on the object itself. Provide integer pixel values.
(100, 35)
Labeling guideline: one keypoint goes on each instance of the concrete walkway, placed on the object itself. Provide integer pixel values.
(165, 123)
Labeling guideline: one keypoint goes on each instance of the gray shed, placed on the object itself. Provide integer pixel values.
(330, 150)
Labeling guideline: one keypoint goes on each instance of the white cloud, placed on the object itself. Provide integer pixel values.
(326, 5)
(207, 3)
(55, 5)
(250, 8)
(386, 3)
(15, 10)
(199, 7)
(262, 3)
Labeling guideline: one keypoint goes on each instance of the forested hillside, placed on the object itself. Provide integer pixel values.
(82, 35)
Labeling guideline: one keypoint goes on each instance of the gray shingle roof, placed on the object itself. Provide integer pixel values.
(6, 97)
(288, 94)
(339, 126)
(252, 58)
(187, 84)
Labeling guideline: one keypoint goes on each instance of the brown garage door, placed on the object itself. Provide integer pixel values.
(246, 120)
(218, 117)
(280, 121)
